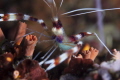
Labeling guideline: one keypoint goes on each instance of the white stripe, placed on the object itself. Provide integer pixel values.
(1, 19)
(79, 36)
(26, 17)
(1, 15)
(63, 57)
(50, 67)
(75, 49)
(12, 17)
(80, 42)
(50, 61)
(55, 19)
(89, 33)
(40, 21)
(11, 13)
(60, 31)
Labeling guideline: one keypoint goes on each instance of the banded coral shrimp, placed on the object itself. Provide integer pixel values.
(58, 31)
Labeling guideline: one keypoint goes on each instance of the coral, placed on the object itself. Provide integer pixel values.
(79, 66)
(30, 70)
(6, 67)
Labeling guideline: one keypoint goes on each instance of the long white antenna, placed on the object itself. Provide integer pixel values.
(47, 3)
(88, 11)
(48, 52)
(54, 3)
(48, 56)
(37, 55)
(53, 7)
(103, 44)
(82, 9)
(61, 4)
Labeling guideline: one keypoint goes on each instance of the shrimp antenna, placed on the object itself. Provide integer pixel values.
(103, 44)
(47, 3)
(101, 10)
(52, 5)
(52, 51)
(37, 55)
(82, 9)
(60, 6)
